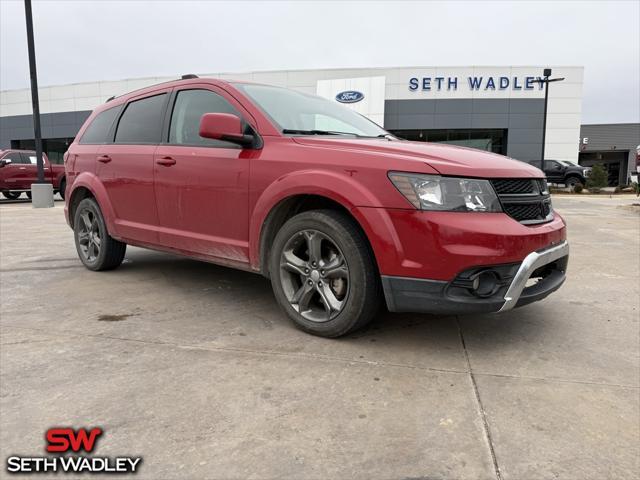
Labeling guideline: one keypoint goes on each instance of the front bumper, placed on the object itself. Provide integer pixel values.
(545, 267)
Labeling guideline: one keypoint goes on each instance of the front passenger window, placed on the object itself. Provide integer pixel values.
(189, 107)
(15, 157)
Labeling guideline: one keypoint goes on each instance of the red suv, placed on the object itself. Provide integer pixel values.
(328, 205)
(18, 170)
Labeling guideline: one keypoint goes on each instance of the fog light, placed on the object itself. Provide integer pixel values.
(484, 283)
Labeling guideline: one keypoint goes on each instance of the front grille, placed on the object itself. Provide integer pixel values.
(512, 186)
(527, 211)
(524, 200)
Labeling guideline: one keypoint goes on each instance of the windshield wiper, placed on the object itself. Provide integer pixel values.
(315, 132)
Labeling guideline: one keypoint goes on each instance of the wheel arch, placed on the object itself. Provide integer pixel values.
(580, 178)
(87, 185)
(288, 208)
(59, 180)
(60, 176)
(297, 191)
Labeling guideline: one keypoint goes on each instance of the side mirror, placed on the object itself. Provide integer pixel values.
(224, 126)
(5, 161)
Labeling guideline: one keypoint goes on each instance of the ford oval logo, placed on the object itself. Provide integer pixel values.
(350, 96)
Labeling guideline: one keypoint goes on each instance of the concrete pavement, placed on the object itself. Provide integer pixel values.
(193, 367)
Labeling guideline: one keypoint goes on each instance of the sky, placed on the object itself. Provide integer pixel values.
(80, 41)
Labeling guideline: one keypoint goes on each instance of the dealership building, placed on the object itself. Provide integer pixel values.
(499, 109)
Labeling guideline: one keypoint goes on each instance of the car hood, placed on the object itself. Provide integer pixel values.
(578, 168)
(445, 159)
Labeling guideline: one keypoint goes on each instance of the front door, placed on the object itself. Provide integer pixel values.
(554, 171)
(201, 184)
(15, 175)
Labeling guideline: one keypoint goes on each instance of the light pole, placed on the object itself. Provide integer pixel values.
(546, 80)
(41, 191)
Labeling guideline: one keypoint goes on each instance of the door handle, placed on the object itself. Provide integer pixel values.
(104, 158)
(22, 168)
(166, 161)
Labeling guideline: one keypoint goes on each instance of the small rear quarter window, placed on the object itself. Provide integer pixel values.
(98, 130)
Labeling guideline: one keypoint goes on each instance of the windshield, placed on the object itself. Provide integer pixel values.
(299, 113)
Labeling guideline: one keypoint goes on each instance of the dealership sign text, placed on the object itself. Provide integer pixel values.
(427, 84)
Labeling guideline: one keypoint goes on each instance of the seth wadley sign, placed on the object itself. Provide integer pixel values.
(474, 83)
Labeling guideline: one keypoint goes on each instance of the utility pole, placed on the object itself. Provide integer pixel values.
(41, 191)
(546, 80)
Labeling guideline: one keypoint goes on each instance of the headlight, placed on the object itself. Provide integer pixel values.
(543, 186)
(432, 192)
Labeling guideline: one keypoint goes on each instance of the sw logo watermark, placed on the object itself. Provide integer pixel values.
(66, 440)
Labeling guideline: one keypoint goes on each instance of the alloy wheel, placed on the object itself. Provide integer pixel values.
(314, 275)
(89, 235)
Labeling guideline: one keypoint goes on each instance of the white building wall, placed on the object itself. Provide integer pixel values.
(565, 98)
(373, 88)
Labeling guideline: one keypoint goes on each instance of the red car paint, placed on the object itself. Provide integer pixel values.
(18, 176)
(212, 203)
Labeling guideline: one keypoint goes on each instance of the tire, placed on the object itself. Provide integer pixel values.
(332, 301)
(11, 195)
(63, 186)
(88, 226)
(571, 182)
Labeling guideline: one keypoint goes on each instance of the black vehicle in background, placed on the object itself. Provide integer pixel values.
(562, 171)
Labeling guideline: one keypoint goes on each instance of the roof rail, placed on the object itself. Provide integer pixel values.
(184, 77)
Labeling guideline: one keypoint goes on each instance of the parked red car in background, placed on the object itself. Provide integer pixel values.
(328, 205)
(18, 170)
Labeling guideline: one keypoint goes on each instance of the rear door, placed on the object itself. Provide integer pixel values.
(30, 160)
(125, 166)
(202, 184)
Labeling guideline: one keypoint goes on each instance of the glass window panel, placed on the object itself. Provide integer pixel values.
(189, 108)
(97, 132)
(141, 121)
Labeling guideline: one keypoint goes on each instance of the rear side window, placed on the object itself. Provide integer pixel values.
(30, 158)
(188, 110)
(141, 121)
(98, 130)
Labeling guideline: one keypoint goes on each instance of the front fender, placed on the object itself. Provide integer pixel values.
(92, 183)
(335, 186)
